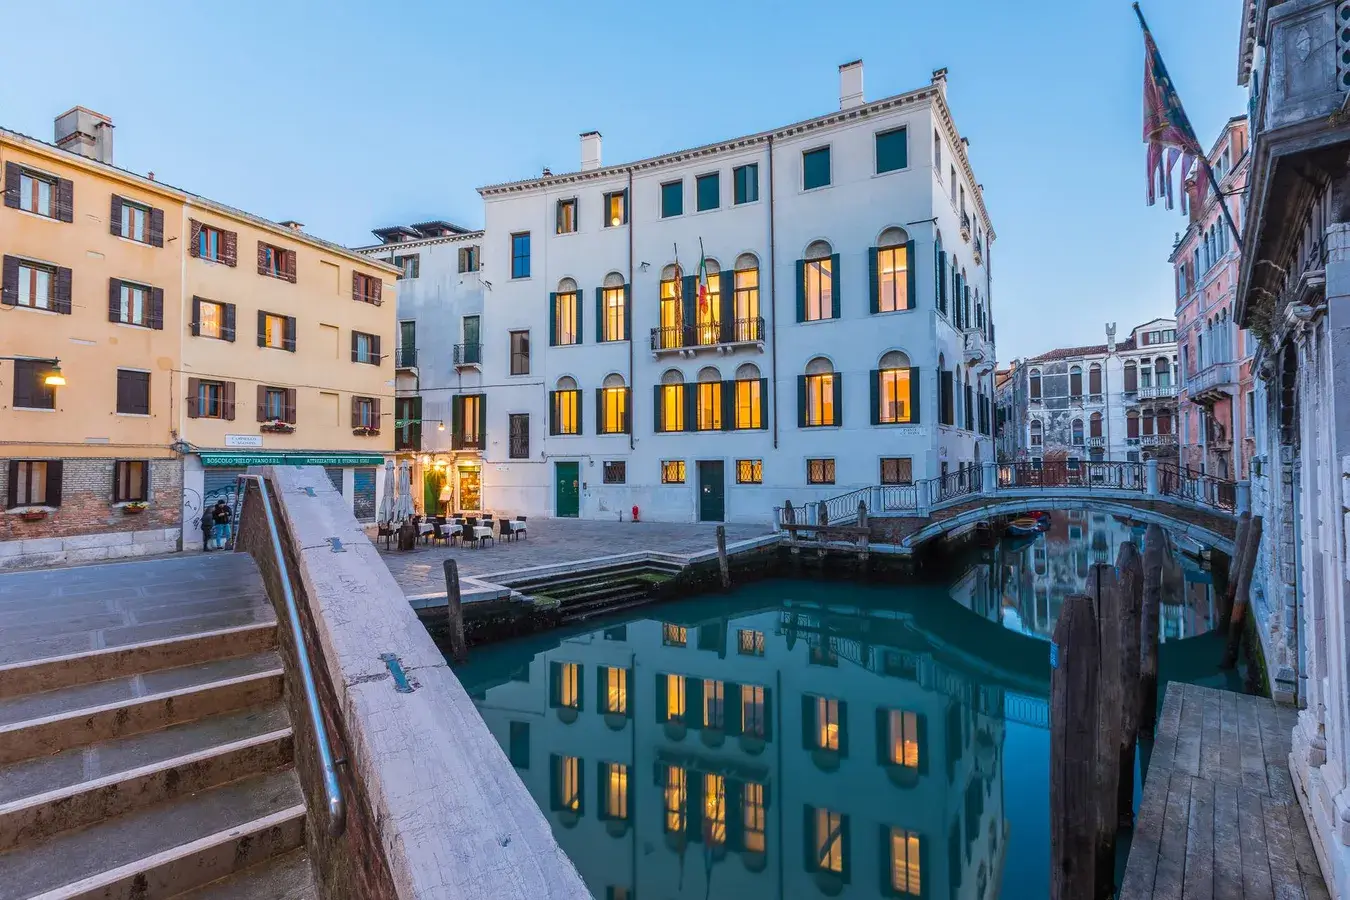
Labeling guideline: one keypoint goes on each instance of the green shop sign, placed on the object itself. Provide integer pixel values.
(289, 459)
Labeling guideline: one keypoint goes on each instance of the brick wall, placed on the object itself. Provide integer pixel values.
(86, 502)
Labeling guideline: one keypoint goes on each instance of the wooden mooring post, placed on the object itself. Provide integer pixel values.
(1130, 586)
(1074, 664)
(1242, 593)
(454, 613)
(1104, 590)
(1225, 570)
(1149, 623)
(722, 564)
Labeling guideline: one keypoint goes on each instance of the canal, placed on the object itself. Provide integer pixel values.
(799, 738)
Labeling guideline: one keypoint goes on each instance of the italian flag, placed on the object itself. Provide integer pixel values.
(702, 280)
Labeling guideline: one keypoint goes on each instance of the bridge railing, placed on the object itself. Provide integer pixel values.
(1115, 476)
(1197, 487)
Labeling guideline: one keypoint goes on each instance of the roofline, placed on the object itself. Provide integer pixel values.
(187, 198)
(420, 242)
(930, 92)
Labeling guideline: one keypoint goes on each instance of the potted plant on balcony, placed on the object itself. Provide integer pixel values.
(277, 426)
(133, 508)
(363, 431)
(33, 515)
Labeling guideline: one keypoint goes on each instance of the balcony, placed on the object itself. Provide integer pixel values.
(979, 352)
(722, 337)
(468, 355)
(1158, 440)
(1095, 442)
(405, 358)
(1215, 381)
(1154, 393)
(965, 227)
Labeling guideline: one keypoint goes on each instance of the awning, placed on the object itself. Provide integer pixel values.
(291, 459)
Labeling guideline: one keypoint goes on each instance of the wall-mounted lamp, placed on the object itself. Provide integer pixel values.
(52, 377)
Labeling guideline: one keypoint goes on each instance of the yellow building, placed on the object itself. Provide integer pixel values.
(193, 339)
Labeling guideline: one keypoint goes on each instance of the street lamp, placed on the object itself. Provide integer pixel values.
(52, 377)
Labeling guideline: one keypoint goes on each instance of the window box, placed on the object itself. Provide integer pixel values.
(33, 515)
(364, 431)
(277, 427)
(136, 507)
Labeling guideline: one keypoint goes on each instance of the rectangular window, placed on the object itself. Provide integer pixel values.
(937, 153)
(893, 396)
(135, 224)
(616, 472)
(130, 483)
(672, 471)
(518, 430)
(672, 199)
(902, 740)
(674, 635)
(567, 783)
(566, 318)
(520, 255)
(815, 168)
(410, 266)
(745, 183)
(616, 690)
(274, 404)
(749, 471)
(753, 817)
(37, 194)
(674, 794)
(715, 809)
(672, 407)
(30, 385)
(827, 727)
(892, 278)
(363, 348)
(615, 782)
(569, 685)
(714, 704)
(820, 471)
(818, 275)
(468, 259)
(567, 412)
(366, 288)
(675, 695)
(892, 150)
(567, 216)
(749, 642)
(210, 243)
(470, 410)
(34, 482)
(614, 326)
(36, 284)
(754, 707)
(906, 877)
(363, 413)
(134, 305)
(133, 392)
(820, 399)
(828, 846)
(897, 470)
(273, 331)
(708, 191)
(211, 400)
(709, 407)
(748, 402)
(616, 209)
(614, 410)
(519, 745)
(520, 353)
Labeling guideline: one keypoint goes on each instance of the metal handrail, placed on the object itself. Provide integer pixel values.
(337, 807)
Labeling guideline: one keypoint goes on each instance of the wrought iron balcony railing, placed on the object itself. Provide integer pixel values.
(469, 354)
(713, 334)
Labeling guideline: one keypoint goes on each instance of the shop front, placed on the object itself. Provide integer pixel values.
(451, 483)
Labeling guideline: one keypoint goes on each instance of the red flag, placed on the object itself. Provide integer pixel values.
(1165, 124)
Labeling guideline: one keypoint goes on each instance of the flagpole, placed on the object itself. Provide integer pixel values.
(1202, 157)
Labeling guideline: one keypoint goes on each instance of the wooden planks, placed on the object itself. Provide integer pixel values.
(1219, 819)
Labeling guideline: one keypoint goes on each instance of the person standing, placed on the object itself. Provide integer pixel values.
(220, 519)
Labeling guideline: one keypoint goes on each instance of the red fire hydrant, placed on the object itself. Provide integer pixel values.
(635, 513)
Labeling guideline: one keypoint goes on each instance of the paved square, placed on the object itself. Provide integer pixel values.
(552, 541)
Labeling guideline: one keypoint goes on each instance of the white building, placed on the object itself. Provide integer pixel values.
(844, 339)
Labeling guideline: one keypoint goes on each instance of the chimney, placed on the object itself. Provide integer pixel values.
(590, 151)
(1110, 337)
(85, 132)
(293, 225)
(850, 84)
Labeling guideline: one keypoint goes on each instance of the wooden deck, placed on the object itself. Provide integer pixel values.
(1219, 819)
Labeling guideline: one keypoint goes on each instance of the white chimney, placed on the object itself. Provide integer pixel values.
(940, 80)
(85, 132)
(590, 151)
(850, 84)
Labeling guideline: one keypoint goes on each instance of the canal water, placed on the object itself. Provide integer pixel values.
(805, 738)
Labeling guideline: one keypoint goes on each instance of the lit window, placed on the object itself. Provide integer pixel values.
(616, 690)
(818, 287)
(566, 318)
(273, 331)
(567, 784)
(906, 878)
(676, 790)
(749, 642)
(671, 333)
(614, 406)
(747, 326)
(567, 216)
(829, 841)
(893, 389)
(715, 809)
(753, 817)
(709, 406)
(672, 471)
(210, 319)
(820, 471)
(708, 315)
(819, 399)
(36, 193)
(674, 635)
(749, 471)
(903, 739)
(754, 712)
(616, 791)
(892, 278)
(748, 402)
(569, 685)
(714, 704)
(566, 417)
(675, 696)
(616, 209)
(672, 407)
(614, 326)
(827, 724)
(135, 224)
(35, 285)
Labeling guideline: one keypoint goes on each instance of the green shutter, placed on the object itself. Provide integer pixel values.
(689, 299)
(627, 410)
(768, 730)
(873, 281)
(658, 396)
(965, 305)
(883, 727)
(915, 393)
(808, 722)
(554, 684)
(690, 406)
(581, 421)
(482, 421)
(942, 281)
(921, 738)
(727, 303)
(457, 422)
(801, 401)
(660, 708)
(876, 396)
(801, 290)
(843, 732)
(836, 283)
(627, 312)
(553, 319)
(728, 405)
(764, 403)
(552, 412)
(810, 853)
(693, 702)
(599, 411)
(884, 860)
(577, 318)
(600, 315)
(838, 399)
(911, 270)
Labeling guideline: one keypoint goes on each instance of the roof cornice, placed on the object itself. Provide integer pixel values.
(419, 242)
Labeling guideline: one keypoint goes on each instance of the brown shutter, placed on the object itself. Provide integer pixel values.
(262, 403)
(230, 248)
(229, 401)
(262, 258)
(289, 270)
(375, 348)
(194, 238)
(64, 278)
(157, 308)
(262, 328)
(23, 384)
(377, 289)
(356, 285)
(375, 414)
(194, 388)
(1131, 379)
(118, 467)
(54, 467)
(12, 186)
(355, 356)
(229, 322)
(356, 412)
(123, 392)
(290, 406)
(115, 217)
(114, 299)
(12, 494)
(65, 200)
(196, 316)
(9, 280)
(288, 341)
(157, 227)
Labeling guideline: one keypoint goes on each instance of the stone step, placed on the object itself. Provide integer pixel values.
(542, 584)
(166, 849)
(603, 607)
(136, 772)
(288, 877)
(53, 721)
(598, 590)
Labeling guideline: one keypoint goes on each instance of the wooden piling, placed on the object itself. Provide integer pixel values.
(1242, 594)
(824, 517)
(1149, 623)
(454, 619)
(1073, 741)
(1240, 550)
(1130, 586)
(1104, 590)
(722, 564)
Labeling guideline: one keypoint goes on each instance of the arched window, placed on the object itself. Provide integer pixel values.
(708, 400)
(1034, 384)
(890, 268)
(708, 312)
(670, 404)
(565, 327)
(750, 398)
(818, 395)
(671, 333)
(965, 300)
(1132, 424)
(1076, 382)
(564, 415)
(1095, 379)
(612, 405)
(1147, 422)
(815, 283)
(1162, 369)
(614, 316)
(1095, 425)
(1131, 377)
(1076, 433)
(748, 324)
(1037, 436)
(893, 392)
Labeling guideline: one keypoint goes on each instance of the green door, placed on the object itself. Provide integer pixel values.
(711, 491)
(568, 491)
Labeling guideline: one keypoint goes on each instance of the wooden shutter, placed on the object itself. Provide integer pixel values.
(288, 262)
(196, 325)
(288, 340)
(115, 217)
(157, 308)
(229, 248)
(599, 410)
(355, 355)
(915, 392)
(23, 384)
(1131, 379)
(875, 378)
(228, 331)
(262, 259)
(627, 312)
(911, 292)
(262, 403)
(375, 349)
(801, 290)
(227, 404)
(356, 286)
(194, 390)
(801, 401)
(1095, 380)
(142, 392)
(600, 335)
(356, 411)
(873, 281)
(838, 399)
(124, 404)
(9, 279)
(54, 472)
(553, 319)
(942, 281)
(726, 283)
(658, 405)
(764, 403)
(262, 328)
(376, 290)
(836, 283)
(12, 493)
(728, 391)
(689, 301)
(290, 406)
(482, 419)
(65, 202)
(194, 238)
(156, 227)
(12, 175)
(114, 299)
(64, 279)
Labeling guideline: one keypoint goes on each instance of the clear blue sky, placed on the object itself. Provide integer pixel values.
(348, 116)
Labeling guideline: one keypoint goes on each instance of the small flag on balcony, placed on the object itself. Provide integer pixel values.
(702, 279)
(1166, 127)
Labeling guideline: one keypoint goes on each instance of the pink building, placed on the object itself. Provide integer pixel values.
(1216, 405)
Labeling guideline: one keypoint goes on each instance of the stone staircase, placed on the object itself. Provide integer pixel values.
(598, 591)
(145, 747)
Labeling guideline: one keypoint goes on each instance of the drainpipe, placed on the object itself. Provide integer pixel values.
(632, 394)
(773, 304)
(1106, 401)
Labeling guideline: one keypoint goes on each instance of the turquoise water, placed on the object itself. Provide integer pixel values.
(793, 738)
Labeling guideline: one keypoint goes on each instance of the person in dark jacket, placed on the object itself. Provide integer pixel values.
(220, 519)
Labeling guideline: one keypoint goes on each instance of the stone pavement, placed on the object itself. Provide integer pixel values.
(553, 541)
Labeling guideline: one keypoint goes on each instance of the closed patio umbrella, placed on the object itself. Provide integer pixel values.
(387, 500)
(403, 501)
